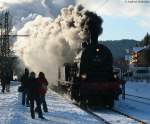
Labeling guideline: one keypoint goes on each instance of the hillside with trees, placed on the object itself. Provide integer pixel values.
(119, 47)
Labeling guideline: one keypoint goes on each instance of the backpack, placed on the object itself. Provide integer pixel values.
(20, 89)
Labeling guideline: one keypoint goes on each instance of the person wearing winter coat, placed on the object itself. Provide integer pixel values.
(43, 83)
(8, 79)
(34, 96)
(3, 80)
(24, 84)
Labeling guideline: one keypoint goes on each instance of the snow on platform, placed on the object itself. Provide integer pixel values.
(63, 112)
(60, 111)
(141, 88)
(133, 108)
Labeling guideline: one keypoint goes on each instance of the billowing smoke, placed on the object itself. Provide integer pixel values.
(93, 24)
(53, 42)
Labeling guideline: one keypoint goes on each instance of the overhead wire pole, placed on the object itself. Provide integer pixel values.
(5, 27)
(4, 38)
(6, 57)
(6, 51)
(1, 33)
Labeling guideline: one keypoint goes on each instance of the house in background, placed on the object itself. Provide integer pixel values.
(140, 63)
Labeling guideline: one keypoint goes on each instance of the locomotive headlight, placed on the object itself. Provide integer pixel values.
(97, 50)
(84, 76)
(115, 76)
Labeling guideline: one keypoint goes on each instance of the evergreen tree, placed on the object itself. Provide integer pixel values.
(145, 54)
(145, 41)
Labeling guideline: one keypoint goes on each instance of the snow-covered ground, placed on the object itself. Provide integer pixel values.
(60, 111)
(63, 112)
(113, 117)
(138, 110)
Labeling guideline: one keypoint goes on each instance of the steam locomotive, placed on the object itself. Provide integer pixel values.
(90, 79)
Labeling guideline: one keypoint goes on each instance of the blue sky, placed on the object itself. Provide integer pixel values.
(122, 28)
(122, 19)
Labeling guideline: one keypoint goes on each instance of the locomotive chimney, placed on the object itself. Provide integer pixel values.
(94, 27)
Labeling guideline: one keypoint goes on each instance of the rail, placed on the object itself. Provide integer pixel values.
(137, 96)
(100, 119)
(128, 116)
(138, 99)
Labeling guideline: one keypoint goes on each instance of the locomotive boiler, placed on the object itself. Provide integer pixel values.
(90, 78)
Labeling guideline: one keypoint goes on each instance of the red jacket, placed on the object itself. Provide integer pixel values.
(42, 82)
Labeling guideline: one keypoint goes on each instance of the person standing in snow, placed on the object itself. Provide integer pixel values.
(3, 80)
(8, 79)
(24, 84)
(34, 96)
(43, 83)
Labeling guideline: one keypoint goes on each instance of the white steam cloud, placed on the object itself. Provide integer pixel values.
(52, 42)
(46, 47)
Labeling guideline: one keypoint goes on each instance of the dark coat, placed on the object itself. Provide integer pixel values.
(42, 82)
(24, 81)
(5, 77)
(33, 87)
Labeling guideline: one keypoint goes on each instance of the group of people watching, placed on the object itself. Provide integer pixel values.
(34, 90)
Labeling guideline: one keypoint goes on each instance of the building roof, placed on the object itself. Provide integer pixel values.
(137, 49)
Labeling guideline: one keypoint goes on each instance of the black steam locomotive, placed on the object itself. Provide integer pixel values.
(90, 78)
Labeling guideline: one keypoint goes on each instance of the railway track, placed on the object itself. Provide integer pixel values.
(138, 96)
(100, 119)
(138, 99)
(128, 116)
(105, 115)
